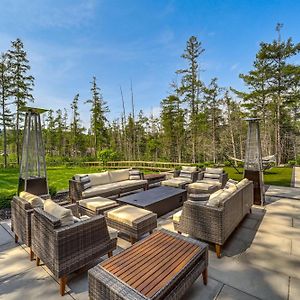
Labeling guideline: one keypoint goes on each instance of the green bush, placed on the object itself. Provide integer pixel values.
(106, 155)
(292, 163)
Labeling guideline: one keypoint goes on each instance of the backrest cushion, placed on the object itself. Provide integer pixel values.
(214, 170)
(35, 201)
(85, 181)
(242, 183)
(63, 214)
(216, 199)
(211, 175)
(189, 169)
(99, 178)
(119, 175)
(134, 174)
(185, 174)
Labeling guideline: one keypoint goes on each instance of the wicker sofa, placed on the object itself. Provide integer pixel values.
(21, 211)
(65, 249)
(215, 223)
(105, 184)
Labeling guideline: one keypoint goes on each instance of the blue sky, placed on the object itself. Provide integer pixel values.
(69, 41)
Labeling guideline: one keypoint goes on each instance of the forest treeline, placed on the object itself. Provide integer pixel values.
(199, 121)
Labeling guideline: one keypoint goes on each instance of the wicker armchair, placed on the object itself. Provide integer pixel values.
(21, 212)
(65, 249)
(215, 224)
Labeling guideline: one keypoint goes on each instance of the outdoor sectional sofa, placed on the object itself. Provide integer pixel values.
(215, 221)
(105, 184)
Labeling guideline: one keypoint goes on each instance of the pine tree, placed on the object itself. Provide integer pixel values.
(22, 84)
(5, 93)
(211, 104)
(190, 86)
(98, 119)
(75, 127)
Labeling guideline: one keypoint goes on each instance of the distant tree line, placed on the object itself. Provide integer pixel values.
(198, 122)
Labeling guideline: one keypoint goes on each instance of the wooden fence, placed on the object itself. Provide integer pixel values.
(146, 165)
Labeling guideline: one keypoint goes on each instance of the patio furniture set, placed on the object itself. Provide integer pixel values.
(70, 237)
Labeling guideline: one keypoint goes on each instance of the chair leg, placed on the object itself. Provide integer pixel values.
(179, 232)
(62, 285)
(132, 240)
(250, 210)
(151, 231)
(205, 276)
(110, 254)
(16, 238)
(218, 250)
(31, 254)
(38, 261)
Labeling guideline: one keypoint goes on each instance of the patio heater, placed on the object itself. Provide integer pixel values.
(33, 176)
(253, 160)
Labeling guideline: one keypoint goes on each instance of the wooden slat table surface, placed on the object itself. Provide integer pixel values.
(150, 265)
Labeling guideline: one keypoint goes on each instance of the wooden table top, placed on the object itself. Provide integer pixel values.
(152, 264)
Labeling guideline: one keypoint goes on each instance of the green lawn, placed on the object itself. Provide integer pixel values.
(58, 178)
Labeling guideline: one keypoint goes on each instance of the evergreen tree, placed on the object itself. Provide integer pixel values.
(190, 86)
(98, 116)
(5, 93)
(75, 127)
(22, 83)
(211, 104)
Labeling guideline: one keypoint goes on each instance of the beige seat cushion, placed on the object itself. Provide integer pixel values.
(211, 181)
(119, 175)
(131, 183)
(204, 186)
(35, 201)
(127, 214)
(99, 190)
(96, 202)
(189, 169)
(212, 175)
(242, 183)
(113, 233)
(99, 178)
(176, 182)
(177, 216)
(214, 170)
(63, 214)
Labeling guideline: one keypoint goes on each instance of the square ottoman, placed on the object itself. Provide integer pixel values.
(95, 205)
(132, 221)
(177, 182)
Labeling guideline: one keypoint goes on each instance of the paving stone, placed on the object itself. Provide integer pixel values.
(295, 248)
(296, 223)
(200, 291)
(275, 242)
(281, 230)
(250, 223)
(5, 237)
(14, 260)
(283, 192)
(229, 293)
(294, 289)
(273, 260)
(79, 287)
(249, 278)
(32, 284)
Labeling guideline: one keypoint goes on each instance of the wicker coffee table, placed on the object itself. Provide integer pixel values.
(162, 266)
(160, 200)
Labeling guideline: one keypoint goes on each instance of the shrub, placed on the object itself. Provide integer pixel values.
(52, 190)
(106, 155)
(292, 163)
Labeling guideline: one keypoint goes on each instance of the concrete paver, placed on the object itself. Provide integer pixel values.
(229, 293)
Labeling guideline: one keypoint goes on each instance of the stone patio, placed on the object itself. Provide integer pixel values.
(261, 260)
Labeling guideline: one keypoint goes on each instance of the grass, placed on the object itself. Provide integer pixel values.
(58, 179)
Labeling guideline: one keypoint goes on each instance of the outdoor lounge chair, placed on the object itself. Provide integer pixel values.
(65, 249)
(213, 175)
(21, 211)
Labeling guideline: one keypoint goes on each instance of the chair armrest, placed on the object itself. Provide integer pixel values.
(75, 190)
(176, 173)
(142, 175)
(223, 179)
(74, 209)
(194, 176)
(201, 175)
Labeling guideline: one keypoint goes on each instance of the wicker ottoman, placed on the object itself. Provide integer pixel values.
(95, 205)
(177, 182)
(162, 266)
(132, 221)
(203, 187)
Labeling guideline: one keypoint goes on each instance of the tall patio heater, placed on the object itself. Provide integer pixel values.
(253, 160)
(33, 175)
